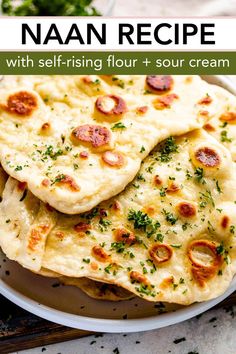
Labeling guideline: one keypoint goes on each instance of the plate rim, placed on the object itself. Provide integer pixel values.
(110, 325)
(119, 325)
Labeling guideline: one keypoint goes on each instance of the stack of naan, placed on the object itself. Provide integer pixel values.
(120, 185)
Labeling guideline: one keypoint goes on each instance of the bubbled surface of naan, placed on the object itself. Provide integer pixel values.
(38, 149)
(149, 211)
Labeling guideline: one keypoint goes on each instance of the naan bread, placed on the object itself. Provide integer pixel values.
(223, 124)
(95, 289)
(170, 236)
(98, 290)
(3, 179)
(79, 140)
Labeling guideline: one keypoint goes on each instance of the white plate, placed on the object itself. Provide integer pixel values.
(69, 306)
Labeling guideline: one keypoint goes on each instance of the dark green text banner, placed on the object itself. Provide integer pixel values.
(75, 63)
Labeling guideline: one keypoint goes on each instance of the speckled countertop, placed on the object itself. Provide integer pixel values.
(211, 333)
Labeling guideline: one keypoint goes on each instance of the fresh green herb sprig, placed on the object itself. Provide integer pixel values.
(49, 8)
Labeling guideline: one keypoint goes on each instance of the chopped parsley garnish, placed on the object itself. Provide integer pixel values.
(58, 179)
(159, 237)
(224, 137)
(108, 268)
(170, 218)
(143, 289)
(219, 190)
(163, 192)
(188, 175)
(118, 246)
(142, 149)
(92, 214)
(118, 125)
(140, 178)
(103, 224)
(207, 198)
(167, 148)
(141, 220)
(220, 249)
(223, 252)
(53, 154)
(18, 168)
(149, 169)
(232, 229)
(86, 260)
(176, 245)
(199, 175)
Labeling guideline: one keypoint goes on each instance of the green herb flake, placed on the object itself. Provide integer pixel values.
(224, 137)
(168, 148)
(170, 218)
(118, 125)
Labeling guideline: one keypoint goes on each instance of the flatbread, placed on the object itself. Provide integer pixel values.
(98, 290)
(94, 289)
(79, 140)
(223, 124)
(170, 236)
(3, 179)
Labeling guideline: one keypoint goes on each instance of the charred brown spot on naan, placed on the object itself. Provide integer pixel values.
(157, 180)
(103, 213)
(206, 100)
(45, 182)
(199, 248)
(205, 260)
(186, 209)
(207, 157)
(111, 105)
(113, 159)
(160, 83)
(100, 254)
(164, 102)
(142, 110)
(45, 128)
(137, 277)
(204, 113)
(116, 206)
(68, 182)
(21, 103)
(172, 188)
(87, 80)
(93, 135)
(160, 253)
(189, 79)
(82, 227)
(209, 127)
(228, 117)
(94, 266)
(167, 282)
(225, 222)
(60, 235)
(84, 155)
(124, 235)
(202, 275)
(36, 235)
(150, 209)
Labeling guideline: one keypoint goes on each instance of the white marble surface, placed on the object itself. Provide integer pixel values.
(215, 331)
(175, 8)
